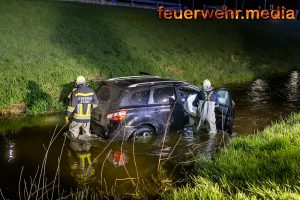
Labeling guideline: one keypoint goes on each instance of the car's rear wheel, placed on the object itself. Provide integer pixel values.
(143, 132)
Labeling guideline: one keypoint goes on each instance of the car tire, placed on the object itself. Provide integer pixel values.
(143, 132)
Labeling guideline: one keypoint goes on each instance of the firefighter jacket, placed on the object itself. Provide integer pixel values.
(82, 101)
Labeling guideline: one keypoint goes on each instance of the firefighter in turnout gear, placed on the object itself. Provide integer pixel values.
(206, 101)
(82, 101)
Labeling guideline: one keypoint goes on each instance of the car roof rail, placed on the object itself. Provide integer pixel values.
(156, 82)
(131, 77)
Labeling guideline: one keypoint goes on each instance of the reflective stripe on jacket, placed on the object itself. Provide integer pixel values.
(82, 101)
(206, 96)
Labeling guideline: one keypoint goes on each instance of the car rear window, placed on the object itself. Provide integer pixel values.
(163, 95)
(104, 93)
(108, 93)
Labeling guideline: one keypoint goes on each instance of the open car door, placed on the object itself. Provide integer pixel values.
(225, 112)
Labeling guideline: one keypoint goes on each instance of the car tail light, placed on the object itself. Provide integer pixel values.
(118, 115)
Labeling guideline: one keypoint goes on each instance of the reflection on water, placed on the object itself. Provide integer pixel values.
(264, 101)
(11, 152)
(80, 162)
(118, 158)
(10, 148)
(120, 167)
(14, 125)
(292, 87)
(258, 93)
(209, 147)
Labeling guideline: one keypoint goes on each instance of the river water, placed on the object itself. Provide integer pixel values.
(120, 167)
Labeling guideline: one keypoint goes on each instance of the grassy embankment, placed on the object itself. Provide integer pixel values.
(260, 166)
(45, 45)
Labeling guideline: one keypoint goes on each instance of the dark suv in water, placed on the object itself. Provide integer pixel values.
(141, 105)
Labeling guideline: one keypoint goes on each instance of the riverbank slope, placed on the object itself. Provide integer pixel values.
(258, 166)
(45, 45)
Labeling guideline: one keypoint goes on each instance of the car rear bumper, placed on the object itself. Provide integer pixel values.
(115, 132)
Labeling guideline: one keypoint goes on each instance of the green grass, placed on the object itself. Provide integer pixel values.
(46, 44)
(259, 166)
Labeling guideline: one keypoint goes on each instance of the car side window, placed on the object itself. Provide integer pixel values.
(164, 95)
(185, 92)
(141, 97)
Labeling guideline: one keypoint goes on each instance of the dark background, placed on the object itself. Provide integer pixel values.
(248, 4)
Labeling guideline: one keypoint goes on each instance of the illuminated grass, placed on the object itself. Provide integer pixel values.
(45, 45)
(260, 166)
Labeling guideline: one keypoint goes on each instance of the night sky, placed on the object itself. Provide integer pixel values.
(250, 4)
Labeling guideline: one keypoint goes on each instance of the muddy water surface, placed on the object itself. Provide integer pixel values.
(117, 167)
